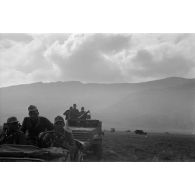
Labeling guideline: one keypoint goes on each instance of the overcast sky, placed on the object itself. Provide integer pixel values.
(28, 58)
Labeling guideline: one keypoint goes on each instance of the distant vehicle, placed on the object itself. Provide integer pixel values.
(112, 130)
(140, 132)
(89, 133)
(29, 153)
(128, 131)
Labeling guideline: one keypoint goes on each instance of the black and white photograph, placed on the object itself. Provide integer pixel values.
(97, 97)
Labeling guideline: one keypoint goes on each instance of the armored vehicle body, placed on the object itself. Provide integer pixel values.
(89, 132)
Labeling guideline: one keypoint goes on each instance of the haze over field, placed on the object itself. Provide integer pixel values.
(122, 77)
(161, 105)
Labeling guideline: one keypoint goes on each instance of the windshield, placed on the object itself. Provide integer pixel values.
(83, 123)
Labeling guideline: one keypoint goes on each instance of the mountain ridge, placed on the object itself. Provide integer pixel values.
(79, 82)
(160, 105)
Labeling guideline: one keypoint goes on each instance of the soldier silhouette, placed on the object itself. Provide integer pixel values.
(12, 133)
(34, 125)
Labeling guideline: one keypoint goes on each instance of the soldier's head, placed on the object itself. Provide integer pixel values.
(74, 106)
(71, 108)
(82, 109)
(12, 123)
(59, 122)
(33, 112)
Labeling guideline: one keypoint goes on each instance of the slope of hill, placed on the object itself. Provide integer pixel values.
(161, 105)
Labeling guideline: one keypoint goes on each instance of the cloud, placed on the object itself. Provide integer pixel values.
(83, 57)
(26, 58)
(25, 63)
(148, 65)
(20, 37)
(155, 56)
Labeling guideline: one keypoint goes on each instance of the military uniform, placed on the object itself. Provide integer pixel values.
(33, 129)
(16, 137)
(66, 113)
(12, 134)
(84, 114)
(74, 114)
(33, 125)
(58, 139)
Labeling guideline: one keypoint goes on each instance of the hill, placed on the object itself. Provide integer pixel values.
(161, 105)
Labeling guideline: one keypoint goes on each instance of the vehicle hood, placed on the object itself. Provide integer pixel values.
(81, 128)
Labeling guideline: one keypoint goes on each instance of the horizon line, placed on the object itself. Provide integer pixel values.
(107, 83)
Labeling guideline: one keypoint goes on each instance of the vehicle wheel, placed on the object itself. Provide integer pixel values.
(98, 151)
(79, 156)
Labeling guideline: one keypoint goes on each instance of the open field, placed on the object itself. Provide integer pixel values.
(129, 147)
(155, 147)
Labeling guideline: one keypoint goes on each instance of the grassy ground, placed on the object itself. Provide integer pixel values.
(129, 147)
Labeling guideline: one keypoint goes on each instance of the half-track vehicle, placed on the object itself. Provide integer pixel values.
(89, 132)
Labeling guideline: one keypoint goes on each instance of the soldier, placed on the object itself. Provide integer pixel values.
(34, 125)
(12, 134)
(62, 137)
(84, 114)
(67, 113)
(74, 114)
(59, 137)
(82, 111)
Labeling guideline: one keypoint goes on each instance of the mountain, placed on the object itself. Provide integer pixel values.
(160, 105)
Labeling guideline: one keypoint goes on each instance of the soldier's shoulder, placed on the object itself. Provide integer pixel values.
(19, 132)
(43, 118)
(26, 118)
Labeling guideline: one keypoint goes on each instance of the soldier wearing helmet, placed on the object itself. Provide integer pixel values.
(84, 114)
(74, 113)
(82, 111)
(67, 113)
(12, 134)
(59, 137)
(33, 125)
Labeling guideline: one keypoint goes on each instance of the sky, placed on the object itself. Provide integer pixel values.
(95, 58)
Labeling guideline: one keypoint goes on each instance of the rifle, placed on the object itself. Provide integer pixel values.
(83, 115)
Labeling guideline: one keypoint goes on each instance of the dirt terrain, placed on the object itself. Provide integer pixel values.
(129, 147)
